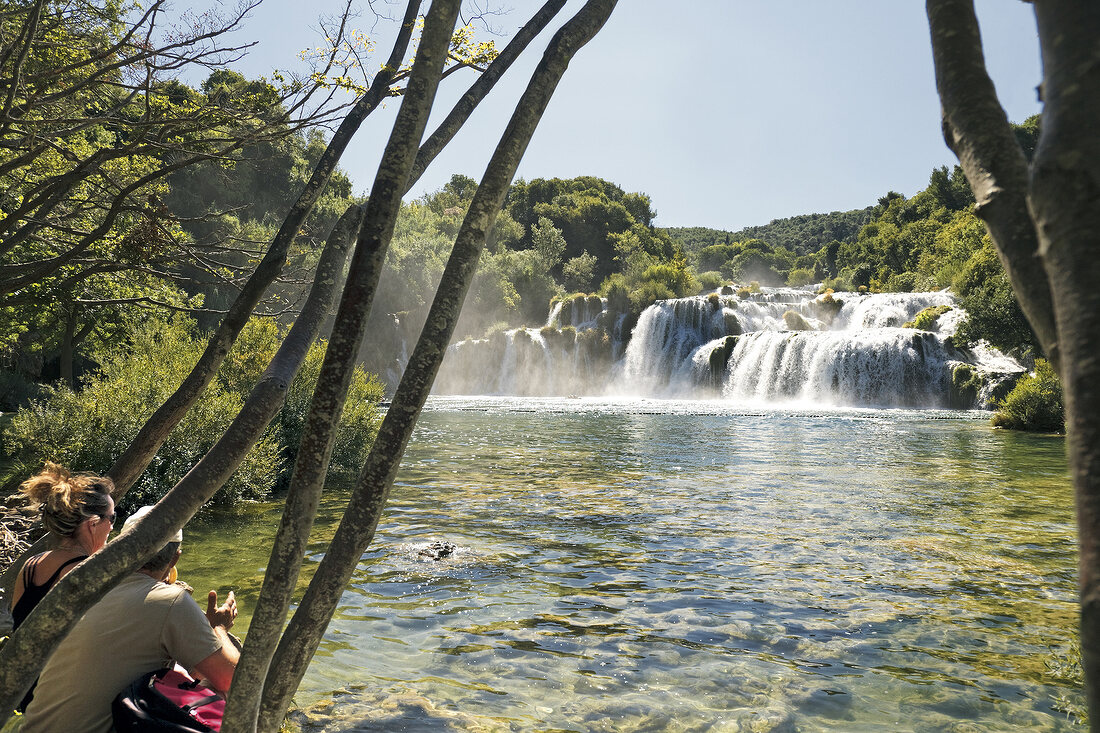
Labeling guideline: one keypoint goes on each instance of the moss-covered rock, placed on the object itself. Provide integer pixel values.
(719, 359)
(926, 319)
(727, 290)
(827, 306)
(732, 324)
(966, 384)
(715, 301)
(795, 322)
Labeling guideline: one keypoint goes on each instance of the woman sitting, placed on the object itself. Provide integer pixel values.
(79, 512)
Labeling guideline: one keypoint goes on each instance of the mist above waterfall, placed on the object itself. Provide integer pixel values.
(775, 345)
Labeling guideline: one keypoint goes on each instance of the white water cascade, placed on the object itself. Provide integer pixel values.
(776, 345)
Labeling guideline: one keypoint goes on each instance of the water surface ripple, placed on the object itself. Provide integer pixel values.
(648, 566)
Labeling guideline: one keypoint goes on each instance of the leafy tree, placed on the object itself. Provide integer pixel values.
(801, 234)
(993, 312)
(92, 127)
(1034, 404)
(579, 272)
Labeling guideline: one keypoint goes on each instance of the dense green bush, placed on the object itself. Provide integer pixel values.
(710, 280)
(86, 430)
(800, 276)
(1035, 403)
(926, 319)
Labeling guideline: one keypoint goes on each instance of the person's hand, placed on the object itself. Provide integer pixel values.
(224, 614)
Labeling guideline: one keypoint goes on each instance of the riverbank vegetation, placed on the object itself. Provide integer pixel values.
(555, 239)
(167, 239)
(90, 427)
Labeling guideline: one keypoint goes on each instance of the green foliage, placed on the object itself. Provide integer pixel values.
(95, 130)
(710, 280)
(87, 430)
(993, 313)
(594, 216)
(800, 234)
(617, 294)
(800, 276)
(15, 390)
(926, 319)
(580, 272)
(965, 385)
(1034, 404)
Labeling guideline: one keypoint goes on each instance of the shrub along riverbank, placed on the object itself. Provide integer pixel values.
(584, 235)
(87, 429)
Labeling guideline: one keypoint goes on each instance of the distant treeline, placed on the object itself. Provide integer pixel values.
(555, 238)
(802, 234)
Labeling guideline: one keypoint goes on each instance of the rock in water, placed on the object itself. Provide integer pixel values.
(438, 550)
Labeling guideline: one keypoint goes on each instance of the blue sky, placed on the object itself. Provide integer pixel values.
(727, 113)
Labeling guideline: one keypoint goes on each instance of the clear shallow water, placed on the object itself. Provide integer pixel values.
(688, 566)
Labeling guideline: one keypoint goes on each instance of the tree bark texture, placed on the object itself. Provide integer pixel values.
(466, 104)
(356, 529)
(1060, 196)
(315, 449)
(136, 457)
(1064, 198)
(22, 657)
(977, 130)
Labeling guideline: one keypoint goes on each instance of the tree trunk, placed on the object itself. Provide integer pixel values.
(1064, 198)
(66, 356)
(332, 383)
(315, 449)
(1057, 276)
(466, 105)
(136, 457)
(22, 657)
(356, 529)
(977, 130)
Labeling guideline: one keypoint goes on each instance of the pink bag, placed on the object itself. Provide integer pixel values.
(168, 700)
(204, 705)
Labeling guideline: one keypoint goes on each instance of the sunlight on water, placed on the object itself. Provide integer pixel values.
(693, 566)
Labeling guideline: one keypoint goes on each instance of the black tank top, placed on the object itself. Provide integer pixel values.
(32, 593)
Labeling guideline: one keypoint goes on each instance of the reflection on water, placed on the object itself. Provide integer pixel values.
(670, 566)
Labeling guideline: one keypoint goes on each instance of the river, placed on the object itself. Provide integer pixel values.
(663, 565)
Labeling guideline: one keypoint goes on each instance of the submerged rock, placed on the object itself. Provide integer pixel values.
(437, 551)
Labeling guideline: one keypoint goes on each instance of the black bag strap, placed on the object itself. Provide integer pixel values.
(202, 701)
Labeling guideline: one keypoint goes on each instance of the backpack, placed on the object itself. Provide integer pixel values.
(168, 701)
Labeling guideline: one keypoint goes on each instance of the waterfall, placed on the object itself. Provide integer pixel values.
(778, 344)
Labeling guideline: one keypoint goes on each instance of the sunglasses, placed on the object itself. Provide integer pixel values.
(110, 518)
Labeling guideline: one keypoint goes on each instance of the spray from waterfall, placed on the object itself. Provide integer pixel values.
(776, 345)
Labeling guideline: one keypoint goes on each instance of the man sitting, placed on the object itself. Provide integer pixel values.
(140, 626)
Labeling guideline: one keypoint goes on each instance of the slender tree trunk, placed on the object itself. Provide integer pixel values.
(22, 657)
(347, 333)
(136, 457)
(307, 627)
(466, 105)
(315, 450)
(1057, 275)
(977, 130)
(1064, 197)
(66, 357)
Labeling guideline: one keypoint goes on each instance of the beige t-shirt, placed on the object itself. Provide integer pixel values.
(136, 628)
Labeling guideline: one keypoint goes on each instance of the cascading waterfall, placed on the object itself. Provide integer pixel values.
(779, 344)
